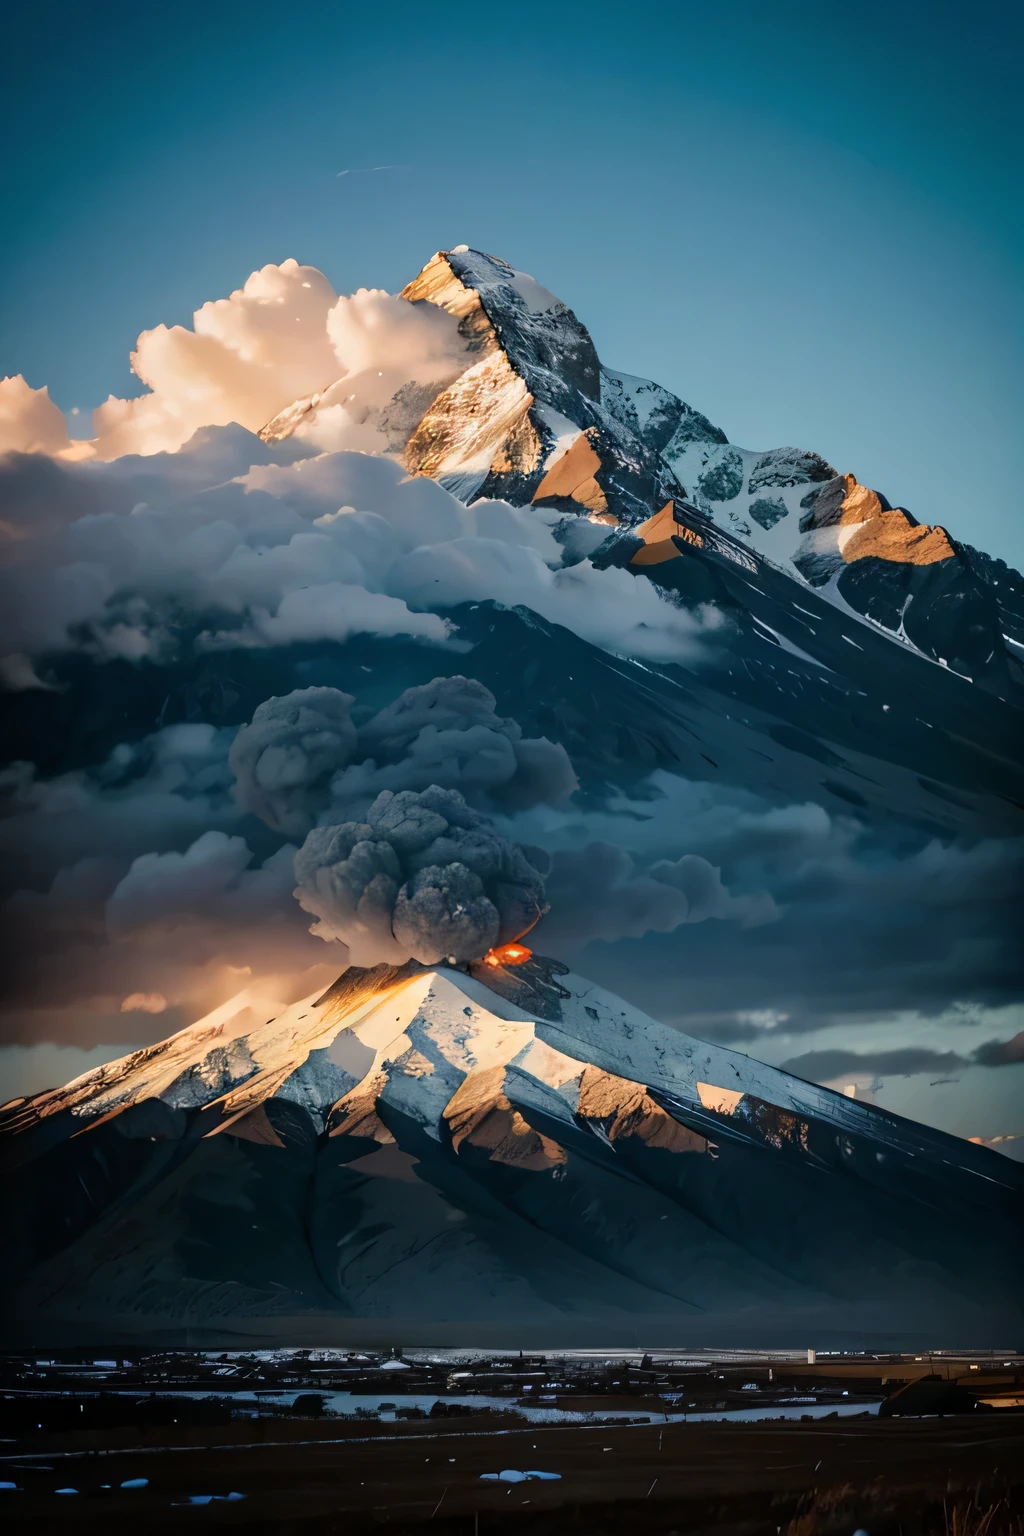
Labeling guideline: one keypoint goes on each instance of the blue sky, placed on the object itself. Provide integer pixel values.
(805, 218)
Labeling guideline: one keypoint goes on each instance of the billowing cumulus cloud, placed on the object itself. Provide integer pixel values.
(29, 420)
(184, 519)
(246, 357)
(284, 760)
(282, 337)
(159, 545)
(377, 331)
(425, 877)
(217, 546)
(395, 358)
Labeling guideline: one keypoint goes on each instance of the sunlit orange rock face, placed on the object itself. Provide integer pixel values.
(481, 1116)
(658, 533)
(482, 419)
(625, 1109)
(870, 528)
(572, 477)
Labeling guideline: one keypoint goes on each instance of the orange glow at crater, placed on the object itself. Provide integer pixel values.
(508, 954)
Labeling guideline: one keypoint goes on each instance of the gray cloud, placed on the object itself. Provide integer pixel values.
(301, 760)
(210, 882)
(424, 877)
(131, 876)
(597, 893)
(908, 1061)
(156, 794)
(1001, 1053)
(193, 925)
(873, 921)
(284, 760)
(448, 733)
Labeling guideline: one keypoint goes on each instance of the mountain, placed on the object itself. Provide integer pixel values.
(504, 1152)
(535, 418)
(501, 1152)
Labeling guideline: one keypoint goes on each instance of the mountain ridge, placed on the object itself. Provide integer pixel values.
(698, 1183)
(535, 418)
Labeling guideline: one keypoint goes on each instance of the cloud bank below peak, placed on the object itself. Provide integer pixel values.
(218, 546)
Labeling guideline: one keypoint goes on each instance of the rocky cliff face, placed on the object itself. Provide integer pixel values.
(505, 1145)
(535, 418)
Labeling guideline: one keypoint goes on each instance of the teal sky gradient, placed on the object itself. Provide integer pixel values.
(804, 218)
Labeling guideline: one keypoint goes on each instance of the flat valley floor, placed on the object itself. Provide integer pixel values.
(909, 1476)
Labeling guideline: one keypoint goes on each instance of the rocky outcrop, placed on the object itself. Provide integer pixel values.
(479, 426)
(767, 511)
(788, 466)
(659, 537)
(531, 407)
(1006, 588)
(851, 522)
(624, 1110)
(522, 454)
(653, 413)
(282, 426)
(723, 479)
(906, 576)
(572, 478)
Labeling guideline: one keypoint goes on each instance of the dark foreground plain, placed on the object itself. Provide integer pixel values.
(958, 1474)
(879, 1475)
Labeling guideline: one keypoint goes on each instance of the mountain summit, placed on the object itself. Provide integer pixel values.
(536, 418)
(500, 1151)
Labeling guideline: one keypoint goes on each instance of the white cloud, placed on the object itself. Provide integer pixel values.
(247, 357)
(610, 608)
(194, 518)
(320, 548)
(29, 420)
(333, 610)
(282, 337)
(377, 333)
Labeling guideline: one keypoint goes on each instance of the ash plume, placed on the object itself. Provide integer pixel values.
(283, 761)
(424, 877)
(302, 761)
